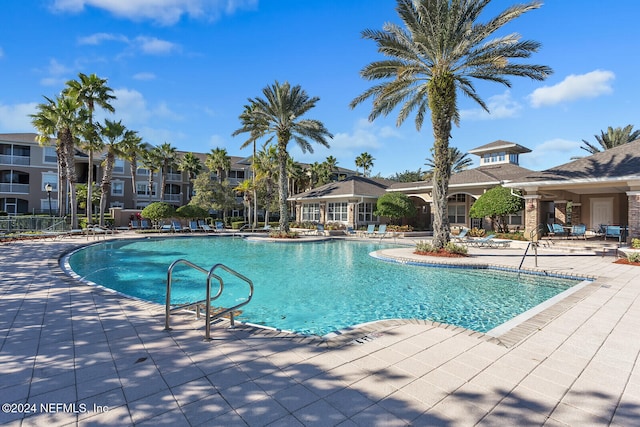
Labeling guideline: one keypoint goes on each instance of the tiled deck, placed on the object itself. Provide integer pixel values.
(575, 363)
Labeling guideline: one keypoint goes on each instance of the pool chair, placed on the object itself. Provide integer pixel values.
(166, 227)
(612, 231)
(204, 226)
(350, 231)
(371, 230)
(193, 226)
(478, 243)
(579, 230)
(176, 226)
(382, 231)
(144, 224)
(556, 230)
(219, 226)
(135, 225)
(494, 243)
(462, 237)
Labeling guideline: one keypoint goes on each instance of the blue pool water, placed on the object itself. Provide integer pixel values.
(315, 288)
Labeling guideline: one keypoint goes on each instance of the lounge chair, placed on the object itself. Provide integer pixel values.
(494, 243)
(350, 231)
(176, 226)
(135, 225)
(579, 230)
(219, 226)
(204, 226)
(480, 242)
(556, 230)
(382, 231)
(462, 237)
(371, 230)
(193, 226)
(166, 227)
(144, 224)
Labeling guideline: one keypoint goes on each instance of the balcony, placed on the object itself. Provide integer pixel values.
(173, 198)
(15, 160)
(174, 177)
(9, 187)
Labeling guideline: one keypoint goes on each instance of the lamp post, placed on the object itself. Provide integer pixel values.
(48, 189)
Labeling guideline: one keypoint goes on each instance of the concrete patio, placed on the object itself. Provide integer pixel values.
(96, 358)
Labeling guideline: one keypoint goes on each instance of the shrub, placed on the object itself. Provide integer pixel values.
(476, 232)
(158, 210)
(633, 257)
(635, 243)
(276, 234)
(192, 211)
(423, 246)
(400, 228)
(455, 249)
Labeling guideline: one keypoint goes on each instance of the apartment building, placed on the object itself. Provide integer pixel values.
(26, 167)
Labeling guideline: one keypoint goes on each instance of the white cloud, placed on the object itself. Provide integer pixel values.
(57, 74)
(144, 76)
(500, 107)
(164, 12)
(574, 87)
(15, 118)
(154, 46)
(145, 44)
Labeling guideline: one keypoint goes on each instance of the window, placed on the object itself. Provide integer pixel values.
(310, 212)
(456, 214)
(337, 212)
(365, 212)
(50, 155)
(501, 156)
(142, 189)
(457, 208)
(117, 188)
(118, 166)
(515, 219)
(50, 178)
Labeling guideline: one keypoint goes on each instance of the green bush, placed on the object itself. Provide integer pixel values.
(633, 256)
(192, 211)
(635, 243)
(237, 224)
(158, 210)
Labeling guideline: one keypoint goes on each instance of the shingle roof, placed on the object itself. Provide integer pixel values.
(349, 187)
(614, 163)
(487, 174)
(18, 137)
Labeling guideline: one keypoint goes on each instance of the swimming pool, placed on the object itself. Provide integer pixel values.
(315, 288)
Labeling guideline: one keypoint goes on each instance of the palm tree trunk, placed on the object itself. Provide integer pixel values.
(133, 167)
(90, 189)
(282, 185)
(106, 185)
(67, 139)
(442, 99)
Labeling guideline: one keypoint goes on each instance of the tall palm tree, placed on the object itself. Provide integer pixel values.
(191, 164)
(90, 91)
(91, 143)
(364, 161)
(113, 133)
(168, 154)
(279, 114)
(612, 138)
(218, 160)
(458, 162)
(62, 118)
(130, 149)
(153, 163)
(266, 166)
(331, 164)
(441, 49)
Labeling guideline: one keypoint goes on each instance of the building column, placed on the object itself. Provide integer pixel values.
(633, 215)
(576, 213)
(560, 213)
(531, 214)
(323, 212)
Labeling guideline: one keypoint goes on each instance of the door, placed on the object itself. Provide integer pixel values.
(601, 212)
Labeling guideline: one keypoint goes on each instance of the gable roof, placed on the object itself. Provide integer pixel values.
(353, 186)
(614, 164)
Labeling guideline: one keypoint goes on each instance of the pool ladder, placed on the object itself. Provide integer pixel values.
(207, 301)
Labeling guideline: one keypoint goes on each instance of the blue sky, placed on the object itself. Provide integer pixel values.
(183, 69)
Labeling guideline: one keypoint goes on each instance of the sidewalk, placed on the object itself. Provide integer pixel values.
(99, 359)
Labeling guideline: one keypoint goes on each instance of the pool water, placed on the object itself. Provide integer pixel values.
(314, 288)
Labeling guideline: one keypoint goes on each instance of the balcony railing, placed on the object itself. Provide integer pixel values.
(9, 187)
(174, 177)
(172, 198)
(14, 160)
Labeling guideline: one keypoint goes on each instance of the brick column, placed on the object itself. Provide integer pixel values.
(560, 212)
(634, 215)
(323, 212)
(576, 213)
(531, 213)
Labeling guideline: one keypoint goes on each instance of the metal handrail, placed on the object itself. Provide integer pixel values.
(534, 237)
(210, 275)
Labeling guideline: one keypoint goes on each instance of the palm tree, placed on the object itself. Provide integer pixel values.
(458, 162)
(91, 143)
(331, 164)
(612, 138)
(278, 114)
(153, 163)
(364, 161)
(131, 148)
(90, 91)
(218, 160)
(191, 164)
(442, 48)
(246, 188)
(266, 167)
(62, 118)
(168, 154)
(113, 133)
